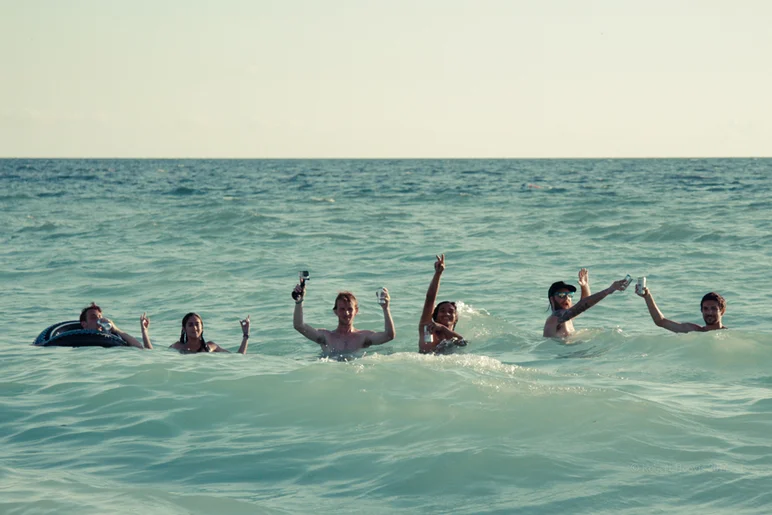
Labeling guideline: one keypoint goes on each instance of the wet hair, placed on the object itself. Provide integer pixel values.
(437, 310)
(85, 311)
(346, 296)
(715, 297)
(184, 334)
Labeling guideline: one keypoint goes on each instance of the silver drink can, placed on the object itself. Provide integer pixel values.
(428, 335)
(640, 286)
(381, 296)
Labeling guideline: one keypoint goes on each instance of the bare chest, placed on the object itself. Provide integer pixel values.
(345, 342)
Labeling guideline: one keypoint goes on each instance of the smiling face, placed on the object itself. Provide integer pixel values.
(561, 299)
(446, 314)
(712, 312)
(346, 309)
(194, 327)
(713, 307)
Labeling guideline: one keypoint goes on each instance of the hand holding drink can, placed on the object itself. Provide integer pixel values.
(640, 286)
(104, 325)
(428, 334)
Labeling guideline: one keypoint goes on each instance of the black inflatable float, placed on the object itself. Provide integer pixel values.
(71, 334)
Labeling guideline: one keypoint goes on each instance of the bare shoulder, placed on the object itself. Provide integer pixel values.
(213, 347)
(550, 326)
(558, 316)
(175, 345)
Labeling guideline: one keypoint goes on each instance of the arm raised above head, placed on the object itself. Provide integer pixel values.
(244, 336)
(584, 282)
(389, 332)
(306, 330)
(434, 288)
(588, 302)
(144, 324)
(660, 320)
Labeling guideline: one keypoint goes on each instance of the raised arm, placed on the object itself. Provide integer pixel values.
(431, 293)
(584, 282)
(389, 332)
(588, 302)
(144, 324)
(245, 335)
(660, 320)
(125, 336)
(297, 318)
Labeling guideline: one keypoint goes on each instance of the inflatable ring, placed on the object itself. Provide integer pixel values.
(72, 334)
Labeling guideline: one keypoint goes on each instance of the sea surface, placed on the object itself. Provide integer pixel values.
(623, 418)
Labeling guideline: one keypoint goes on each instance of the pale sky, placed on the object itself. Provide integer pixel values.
(385, 78)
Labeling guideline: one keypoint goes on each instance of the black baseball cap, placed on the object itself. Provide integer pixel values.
(560, 285)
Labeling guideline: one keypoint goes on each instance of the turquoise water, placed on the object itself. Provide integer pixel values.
(626, 419)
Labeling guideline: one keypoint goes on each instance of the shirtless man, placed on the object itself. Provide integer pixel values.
(560, 297)
(712, 306)
(345, 338)
(92, 315)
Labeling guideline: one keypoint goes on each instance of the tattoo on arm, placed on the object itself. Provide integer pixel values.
(567, 314)
(582, 306)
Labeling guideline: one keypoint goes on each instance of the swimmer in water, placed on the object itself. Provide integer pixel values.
(345, 338)
(91, 318)
(192, 338)
(436, 328)
(712, 306)
(560, 296)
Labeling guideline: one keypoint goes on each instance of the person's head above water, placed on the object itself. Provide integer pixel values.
(445, 313)
(559, 295)
(346, 307)
(192, 328)
(346, 296)
(89, 317)
(713, 307)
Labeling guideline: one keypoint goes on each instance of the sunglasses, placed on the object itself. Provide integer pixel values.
(564, 294)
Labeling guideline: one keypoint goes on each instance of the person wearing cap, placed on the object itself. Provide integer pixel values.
(712, 306)
(560, 296)
(436, 329)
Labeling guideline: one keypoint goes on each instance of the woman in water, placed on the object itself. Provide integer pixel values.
(192, 338)
(436, 328)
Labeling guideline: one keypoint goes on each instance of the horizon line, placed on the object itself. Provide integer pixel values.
(381, 158)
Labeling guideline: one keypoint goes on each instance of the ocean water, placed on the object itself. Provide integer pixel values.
(624, 418)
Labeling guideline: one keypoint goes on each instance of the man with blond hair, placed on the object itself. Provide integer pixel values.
(345, 338)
